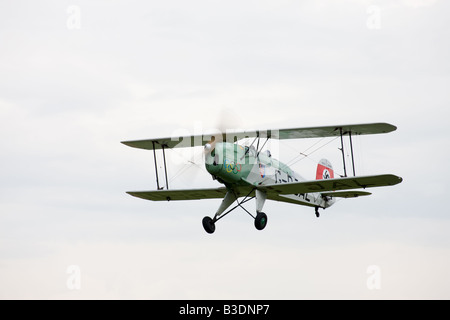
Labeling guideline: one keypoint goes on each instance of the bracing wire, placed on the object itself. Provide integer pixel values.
(186, 166)
(305, 155)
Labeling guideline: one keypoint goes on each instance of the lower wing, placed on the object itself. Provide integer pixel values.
(321, 186)
(190, 194)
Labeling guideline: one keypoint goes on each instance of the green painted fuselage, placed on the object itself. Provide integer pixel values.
(236, 165)
(231, 163)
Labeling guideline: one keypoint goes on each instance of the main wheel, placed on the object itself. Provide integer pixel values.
(260, 221)
(209, 225)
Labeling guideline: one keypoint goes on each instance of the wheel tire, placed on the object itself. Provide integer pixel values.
(260, 221)
(209, 225)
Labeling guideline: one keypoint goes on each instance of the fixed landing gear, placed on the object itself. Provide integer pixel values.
(317, 212)
(209, 225)
(260, 221)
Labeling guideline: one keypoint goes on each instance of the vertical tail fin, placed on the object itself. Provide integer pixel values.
(324, 170)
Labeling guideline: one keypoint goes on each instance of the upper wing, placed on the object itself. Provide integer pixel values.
(333, 184)
(189, 194)
(335, 131)
(170, 142)
(234, 135)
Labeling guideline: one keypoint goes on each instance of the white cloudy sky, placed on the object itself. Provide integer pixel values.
(78, 77)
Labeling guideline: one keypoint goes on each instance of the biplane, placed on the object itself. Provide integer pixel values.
(246, 172)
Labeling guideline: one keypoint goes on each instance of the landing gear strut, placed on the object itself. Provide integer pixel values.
(260, 219)
(317, 212)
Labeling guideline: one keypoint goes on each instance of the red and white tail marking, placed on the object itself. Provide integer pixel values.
(324, 170)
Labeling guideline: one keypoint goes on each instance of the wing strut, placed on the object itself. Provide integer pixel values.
(343, 155)
(165, 167)
(156, 166)
(351, 150)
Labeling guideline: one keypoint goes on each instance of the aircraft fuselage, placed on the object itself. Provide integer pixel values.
(233, 164)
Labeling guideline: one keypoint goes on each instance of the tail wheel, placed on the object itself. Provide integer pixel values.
(209, 225)
(260, 221)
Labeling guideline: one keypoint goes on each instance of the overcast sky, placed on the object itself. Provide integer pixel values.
(78, 77)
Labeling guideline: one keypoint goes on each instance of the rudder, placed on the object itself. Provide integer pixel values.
(324, 170)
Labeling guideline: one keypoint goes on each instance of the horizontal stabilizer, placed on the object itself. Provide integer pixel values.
(346, 194)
